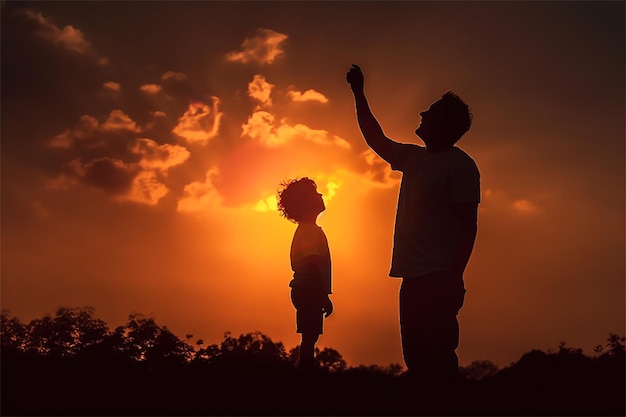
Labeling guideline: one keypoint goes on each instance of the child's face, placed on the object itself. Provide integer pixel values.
(317, 202)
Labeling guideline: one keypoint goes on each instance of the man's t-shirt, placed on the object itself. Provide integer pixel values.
(310, 240)
(426, 224)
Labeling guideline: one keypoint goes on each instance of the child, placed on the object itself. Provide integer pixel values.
(299, 202)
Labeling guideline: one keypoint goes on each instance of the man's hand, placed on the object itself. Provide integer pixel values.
(355, 78)
(327, 306)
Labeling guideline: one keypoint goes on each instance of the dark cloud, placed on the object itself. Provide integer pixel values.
(108, 174)
(48, 88)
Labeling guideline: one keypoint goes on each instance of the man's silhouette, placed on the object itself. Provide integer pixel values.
(435, 230)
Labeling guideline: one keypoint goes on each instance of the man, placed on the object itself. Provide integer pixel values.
(435, 230)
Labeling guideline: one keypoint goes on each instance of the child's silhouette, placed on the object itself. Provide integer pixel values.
(299, 202)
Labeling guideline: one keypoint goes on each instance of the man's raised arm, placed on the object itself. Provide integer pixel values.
(370, 128)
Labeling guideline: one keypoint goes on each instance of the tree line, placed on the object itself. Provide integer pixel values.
(73, 363)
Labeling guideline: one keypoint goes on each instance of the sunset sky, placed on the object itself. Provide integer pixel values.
(143, 144)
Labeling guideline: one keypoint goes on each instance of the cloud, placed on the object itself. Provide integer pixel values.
(331, 186)
(303, 132)
(524, 206)
(378, 171)
(267, 204)
(308, 95)
(260, 90)
(145, 189)
(118, 120)
(86, 128)
(62, 140)
(130, 170)
(262, 48)
(128, 180)
(150, 88)
(157, 117)
(69, 38)
(112, 85)
(498, 201)
(178, 76)
(110, 174)
(261, 126)
(200, 123)
(200, 196)
(159, 157)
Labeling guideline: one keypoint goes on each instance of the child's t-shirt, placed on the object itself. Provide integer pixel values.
(310, 240)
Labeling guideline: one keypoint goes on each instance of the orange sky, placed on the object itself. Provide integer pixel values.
(143, 143)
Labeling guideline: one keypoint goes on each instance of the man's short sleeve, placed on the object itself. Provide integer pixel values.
(465, 181)
(403, 152)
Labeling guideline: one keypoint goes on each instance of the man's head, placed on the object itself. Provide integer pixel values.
(445, 121)
(298, 200)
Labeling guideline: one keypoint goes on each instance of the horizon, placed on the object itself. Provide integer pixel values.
(612, 343)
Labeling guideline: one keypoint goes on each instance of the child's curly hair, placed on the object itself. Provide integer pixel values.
(291, 201)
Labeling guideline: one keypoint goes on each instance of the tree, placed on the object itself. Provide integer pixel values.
(143, 340)
(331, 360)
(479, 370)
(393, 369)
(12, 331)
(66, 334)
(254, 346)
(615, 345)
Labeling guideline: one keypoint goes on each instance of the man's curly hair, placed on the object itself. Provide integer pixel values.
(291, 198)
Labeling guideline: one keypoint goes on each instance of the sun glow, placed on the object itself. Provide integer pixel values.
(331, 186)
(267, 204)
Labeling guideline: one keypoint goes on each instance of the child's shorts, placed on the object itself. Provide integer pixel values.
(309, 314)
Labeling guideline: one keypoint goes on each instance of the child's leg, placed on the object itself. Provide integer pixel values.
(307, 349)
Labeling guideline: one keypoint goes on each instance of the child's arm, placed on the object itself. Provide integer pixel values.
(327, 306)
